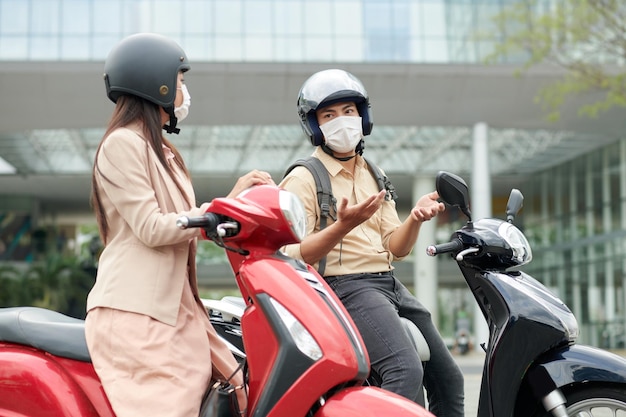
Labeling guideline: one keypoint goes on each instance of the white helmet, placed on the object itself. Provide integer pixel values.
(328, 87)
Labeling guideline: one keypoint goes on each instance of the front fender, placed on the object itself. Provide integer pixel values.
(370, 402)
(575, 364)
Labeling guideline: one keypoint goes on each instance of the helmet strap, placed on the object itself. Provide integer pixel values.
(329, 151)
(171, 127)
(360, 147)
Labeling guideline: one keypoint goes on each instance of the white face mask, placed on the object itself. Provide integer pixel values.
(343, 133)
(183, 110)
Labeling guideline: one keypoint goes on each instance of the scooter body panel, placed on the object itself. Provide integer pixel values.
(369, 402)
(35, 383)
(526, 321)
(288, 381)
(574, 365)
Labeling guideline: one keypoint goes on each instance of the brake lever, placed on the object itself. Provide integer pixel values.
(461, 255)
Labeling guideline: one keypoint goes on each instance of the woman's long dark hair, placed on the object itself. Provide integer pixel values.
(129, 110)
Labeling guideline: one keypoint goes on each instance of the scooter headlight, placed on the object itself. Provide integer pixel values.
(518, 243)
(302, 338)
(294, 212)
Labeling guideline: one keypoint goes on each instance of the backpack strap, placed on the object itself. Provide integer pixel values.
(383, 181)
(325, 199)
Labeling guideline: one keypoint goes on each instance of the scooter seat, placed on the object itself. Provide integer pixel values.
(44, 329)
(417, 339)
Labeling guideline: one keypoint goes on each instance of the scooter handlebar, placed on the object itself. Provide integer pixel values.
(448, 247)
(206, 221)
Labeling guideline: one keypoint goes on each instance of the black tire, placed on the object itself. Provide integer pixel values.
(595, 401)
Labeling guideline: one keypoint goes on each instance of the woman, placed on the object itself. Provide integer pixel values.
(149, 336)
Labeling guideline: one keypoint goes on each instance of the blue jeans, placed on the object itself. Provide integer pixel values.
(375, 302)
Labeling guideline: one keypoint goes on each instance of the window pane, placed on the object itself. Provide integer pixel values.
(258, 18)
(289, 49)
(198, 17)
(76, 17)
(318, 48)
(75, 48)
(167, 17)
(101, 46)
(258, 48)
(136, 17)
(288, 18)
(435, 23)
(44, 17)
(348, 19)
(228, 17)
(44, 47)
(13, 17)
(13, 47)
(318, 20)
(107, 15)
(349, 49)
(228, 48)
(377, 15)
(436, 51)
(198, 48)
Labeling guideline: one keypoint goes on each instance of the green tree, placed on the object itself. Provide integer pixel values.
(15, 289)
(62, 284)
(585, 37)
(208, 253)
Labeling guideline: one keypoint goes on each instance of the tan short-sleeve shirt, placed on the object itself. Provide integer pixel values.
(366, 247)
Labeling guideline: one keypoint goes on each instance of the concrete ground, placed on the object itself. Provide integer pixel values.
(472, 366)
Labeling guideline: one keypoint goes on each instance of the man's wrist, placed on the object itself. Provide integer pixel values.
(415, 215)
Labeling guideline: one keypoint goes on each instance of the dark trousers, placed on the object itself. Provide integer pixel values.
(375, 303)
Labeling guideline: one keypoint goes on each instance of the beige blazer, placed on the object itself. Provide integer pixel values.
(145, 262)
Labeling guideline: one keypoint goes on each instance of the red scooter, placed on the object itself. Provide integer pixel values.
(304, 355)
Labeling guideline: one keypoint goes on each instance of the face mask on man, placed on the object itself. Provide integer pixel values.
(343, 133)
(183, 110)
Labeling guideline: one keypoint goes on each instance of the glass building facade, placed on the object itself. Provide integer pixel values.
(575, 219)
(423, 31)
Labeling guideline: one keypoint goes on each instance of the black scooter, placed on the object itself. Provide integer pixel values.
(532, 365)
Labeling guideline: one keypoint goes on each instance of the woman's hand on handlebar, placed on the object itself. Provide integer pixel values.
(254, 177)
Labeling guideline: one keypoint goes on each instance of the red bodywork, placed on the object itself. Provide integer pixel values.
(37, 384)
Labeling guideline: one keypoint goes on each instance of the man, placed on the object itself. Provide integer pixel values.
(358, 247)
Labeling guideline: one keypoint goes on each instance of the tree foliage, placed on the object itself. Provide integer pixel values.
(57, 278)
(56, 282)
(585, 37)
(63, 283)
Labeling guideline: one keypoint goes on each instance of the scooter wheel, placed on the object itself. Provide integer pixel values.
(595, 402)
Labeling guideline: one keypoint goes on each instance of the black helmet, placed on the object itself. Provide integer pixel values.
(328, 87)
(146, 65)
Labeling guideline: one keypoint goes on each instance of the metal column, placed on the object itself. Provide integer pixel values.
(480, 205)
(425, 280)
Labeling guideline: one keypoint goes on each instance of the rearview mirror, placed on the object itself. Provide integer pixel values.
(514, 204)
(453, 191)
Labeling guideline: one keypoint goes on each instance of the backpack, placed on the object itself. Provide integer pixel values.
(325, 198)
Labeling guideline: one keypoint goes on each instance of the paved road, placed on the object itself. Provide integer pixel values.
(472, 367)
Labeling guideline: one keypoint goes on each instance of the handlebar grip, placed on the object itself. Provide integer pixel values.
(206, 221)
(455, 245)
